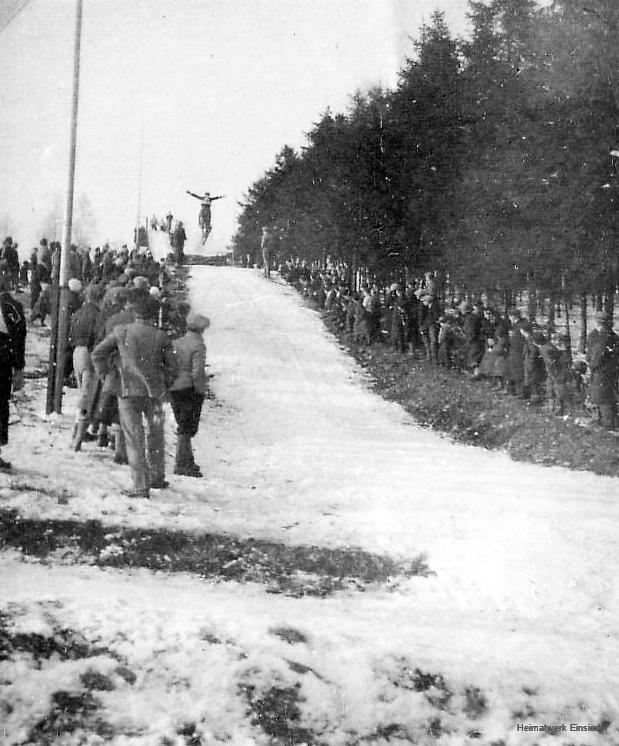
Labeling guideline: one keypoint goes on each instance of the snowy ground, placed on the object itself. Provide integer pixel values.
(518, 623)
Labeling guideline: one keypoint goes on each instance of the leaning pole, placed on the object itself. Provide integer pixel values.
(63, 309)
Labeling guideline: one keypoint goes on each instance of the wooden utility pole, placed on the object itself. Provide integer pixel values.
(63, 310)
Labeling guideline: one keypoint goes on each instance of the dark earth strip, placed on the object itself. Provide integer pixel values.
(477, 413)
(294, 570)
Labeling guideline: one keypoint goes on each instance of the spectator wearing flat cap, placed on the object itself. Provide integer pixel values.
(603, 359)
(188, 390)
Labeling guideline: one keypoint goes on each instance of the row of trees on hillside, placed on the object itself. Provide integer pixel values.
(491, 161)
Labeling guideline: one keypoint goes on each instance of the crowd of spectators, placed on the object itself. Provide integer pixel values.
(133, 342)
(521, 357)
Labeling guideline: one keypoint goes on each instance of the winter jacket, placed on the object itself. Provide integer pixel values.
(145, 363)
(189, 360)
(85, 326)
(14, 340)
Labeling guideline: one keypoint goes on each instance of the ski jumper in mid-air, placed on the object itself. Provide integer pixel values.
(204, 219)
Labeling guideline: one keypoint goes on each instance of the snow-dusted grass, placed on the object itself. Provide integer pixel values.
(517, 625)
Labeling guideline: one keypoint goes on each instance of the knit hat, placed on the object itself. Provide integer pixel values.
(75, 286)
(197, 322)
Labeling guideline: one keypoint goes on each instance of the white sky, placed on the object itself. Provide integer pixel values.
(217, 88)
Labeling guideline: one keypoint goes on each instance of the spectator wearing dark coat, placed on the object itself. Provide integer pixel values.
(178, 242)
(11, 258)
(39, 276)
(603, 360)
(12, 356)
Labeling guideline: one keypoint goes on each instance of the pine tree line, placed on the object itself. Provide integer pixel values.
(490, 162)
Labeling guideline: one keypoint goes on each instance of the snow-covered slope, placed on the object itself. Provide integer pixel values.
(296, 448)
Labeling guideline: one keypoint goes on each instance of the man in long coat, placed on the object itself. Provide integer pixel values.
(12, 356)
(146, 367)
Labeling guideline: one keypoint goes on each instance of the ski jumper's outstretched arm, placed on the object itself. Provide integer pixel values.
(218, 197)
(197, 196)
